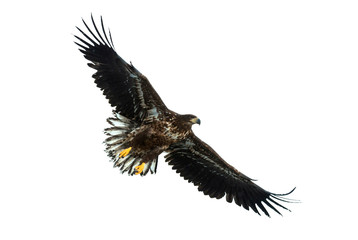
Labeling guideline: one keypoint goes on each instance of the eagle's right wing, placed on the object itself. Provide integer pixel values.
(124, 86)
(198, 163)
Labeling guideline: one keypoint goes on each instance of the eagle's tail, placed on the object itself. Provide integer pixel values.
(115, 144)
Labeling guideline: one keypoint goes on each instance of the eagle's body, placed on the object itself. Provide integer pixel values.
(142, 128)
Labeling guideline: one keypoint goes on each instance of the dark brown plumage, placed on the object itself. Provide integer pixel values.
(143, 127)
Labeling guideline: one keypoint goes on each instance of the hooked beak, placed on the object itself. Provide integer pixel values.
(195, 121)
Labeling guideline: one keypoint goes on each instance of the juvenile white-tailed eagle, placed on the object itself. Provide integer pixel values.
(143, 127)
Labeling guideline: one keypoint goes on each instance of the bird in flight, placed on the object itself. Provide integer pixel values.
(142, 128)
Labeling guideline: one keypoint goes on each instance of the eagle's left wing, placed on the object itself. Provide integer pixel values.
(124, 86)
(198, 163)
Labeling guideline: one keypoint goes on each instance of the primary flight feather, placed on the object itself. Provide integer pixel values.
(142, 128)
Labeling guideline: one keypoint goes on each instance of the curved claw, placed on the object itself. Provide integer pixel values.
(125, 152)
(139, 169)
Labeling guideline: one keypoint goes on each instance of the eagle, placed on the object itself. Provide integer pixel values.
(142, 128)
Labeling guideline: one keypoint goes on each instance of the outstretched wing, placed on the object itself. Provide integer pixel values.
(124, 86)
(198, 163)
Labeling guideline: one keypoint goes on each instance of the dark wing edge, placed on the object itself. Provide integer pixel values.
(198, 163)
(124, 86)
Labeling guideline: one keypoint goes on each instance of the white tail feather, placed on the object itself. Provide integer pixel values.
(117, 134)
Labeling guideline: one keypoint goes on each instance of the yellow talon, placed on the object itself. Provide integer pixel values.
(125, 152)
(139, 169)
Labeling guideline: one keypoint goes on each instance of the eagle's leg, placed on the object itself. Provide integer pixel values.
(125, 152)
(139, 168)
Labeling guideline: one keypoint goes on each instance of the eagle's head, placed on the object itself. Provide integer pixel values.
(191, 119)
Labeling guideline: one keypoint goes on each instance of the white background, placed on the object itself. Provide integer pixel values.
(275, 86)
